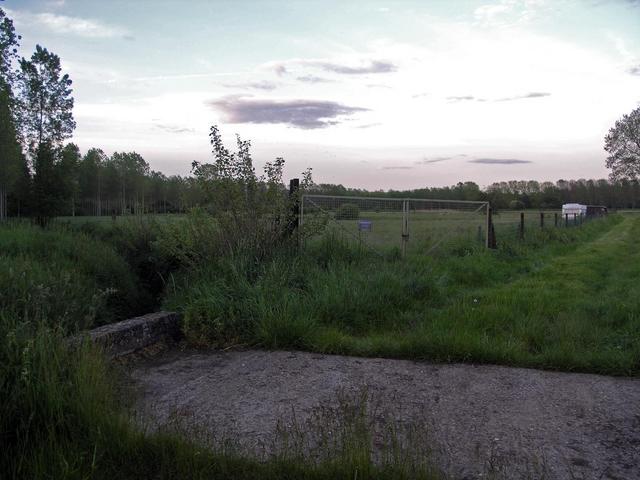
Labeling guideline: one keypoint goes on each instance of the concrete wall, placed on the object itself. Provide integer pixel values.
(128, 336)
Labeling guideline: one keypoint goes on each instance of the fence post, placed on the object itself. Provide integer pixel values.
(575, 219)
(294, 188)
(566, 220)
(555, 219)
(491, 237)
(541, 220)
(521, 227)
(488, 233)
(405, 226)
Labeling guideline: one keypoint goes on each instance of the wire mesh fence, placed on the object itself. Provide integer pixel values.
(382, 224)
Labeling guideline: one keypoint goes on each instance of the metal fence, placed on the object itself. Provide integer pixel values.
(410, 225)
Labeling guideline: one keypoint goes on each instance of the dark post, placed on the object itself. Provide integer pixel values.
(566, 219)
(541, 220)
(492, 232)
(521, 228)
(294, 187)
(555, 219)
(575, 219)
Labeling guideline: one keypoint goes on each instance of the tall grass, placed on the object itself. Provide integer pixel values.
(511, 306)
(63, 278)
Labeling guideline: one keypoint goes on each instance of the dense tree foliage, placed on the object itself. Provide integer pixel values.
(623, 145)
(11, 160)
(45, 103)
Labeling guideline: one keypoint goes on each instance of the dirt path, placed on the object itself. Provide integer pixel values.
(523, 422)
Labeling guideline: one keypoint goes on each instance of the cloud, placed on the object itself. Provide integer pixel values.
(368, 125)
(491, 14)
(261, 85)
(280, 69)
(313, 79)
(366, 67)
(426, 160)
(507, 13)
(463, 98)
(373, 67)
(397, 167)
(173, 128)
(470, 98)
(65, 25)
(526, 95)
(499, 161)
(305, 114)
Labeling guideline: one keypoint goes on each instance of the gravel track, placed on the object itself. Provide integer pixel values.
(523, 423)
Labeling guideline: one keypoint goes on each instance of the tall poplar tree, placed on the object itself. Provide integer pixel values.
(11, 160)
(46, 120)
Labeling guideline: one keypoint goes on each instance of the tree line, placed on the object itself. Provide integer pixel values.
(515, 194)
(41, 177)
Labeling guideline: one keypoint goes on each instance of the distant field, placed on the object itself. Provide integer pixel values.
(106, 219)
(431, 229)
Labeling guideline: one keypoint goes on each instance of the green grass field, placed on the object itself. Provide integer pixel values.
(564, 298)
(431, 230)
(511, 306)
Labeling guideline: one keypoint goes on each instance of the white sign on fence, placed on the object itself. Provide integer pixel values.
(365, 225)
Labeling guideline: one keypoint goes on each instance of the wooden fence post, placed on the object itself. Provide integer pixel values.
(566, 219)
(555, 219)
(541, 220)
(294, 216)
(491, 238)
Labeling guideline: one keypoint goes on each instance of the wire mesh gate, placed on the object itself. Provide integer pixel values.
(411, 225)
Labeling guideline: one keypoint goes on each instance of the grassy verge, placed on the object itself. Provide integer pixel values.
(536, 303)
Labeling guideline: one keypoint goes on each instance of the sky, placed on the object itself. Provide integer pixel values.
(370, 94)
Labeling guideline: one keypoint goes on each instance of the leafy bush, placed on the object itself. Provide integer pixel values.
(348, 211)
(252, 213)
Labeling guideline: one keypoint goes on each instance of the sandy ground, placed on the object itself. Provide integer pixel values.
(523, 423)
